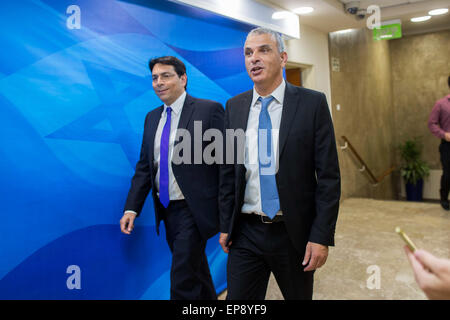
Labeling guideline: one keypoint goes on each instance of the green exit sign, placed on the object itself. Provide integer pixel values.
(388, 31)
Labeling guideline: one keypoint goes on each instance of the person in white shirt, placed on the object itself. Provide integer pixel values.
(278, 209)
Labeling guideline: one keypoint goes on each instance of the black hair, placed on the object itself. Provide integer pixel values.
(177, 64)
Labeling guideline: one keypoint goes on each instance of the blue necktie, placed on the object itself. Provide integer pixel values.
(164, 162)
(270, 201)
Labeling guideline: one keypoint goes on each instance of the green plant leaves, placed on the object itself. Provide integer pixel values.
(413, 168)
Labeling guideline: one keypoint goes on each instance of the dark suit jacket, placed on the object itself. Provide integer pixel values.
(307, 148)
(198, 182)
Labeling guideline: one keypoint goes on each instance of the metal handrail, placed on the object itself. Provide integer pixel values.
(364, 165)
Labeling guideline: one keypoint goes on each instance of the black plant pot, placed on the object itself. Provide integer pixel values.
(414, 191)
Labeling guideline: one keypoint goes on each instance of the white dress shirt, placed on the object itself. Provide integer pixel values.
(252, 196)
(174, 190)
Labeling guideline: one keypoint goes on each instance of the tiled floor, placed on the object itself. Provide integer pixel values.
(366, 244)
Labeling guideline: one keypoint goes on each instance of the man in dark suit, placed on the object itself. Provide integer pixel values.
(278, 209)
(185, 193)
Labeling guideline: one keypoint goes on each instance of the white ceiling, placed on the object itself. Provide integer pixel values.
(329, 15)
(384, 3)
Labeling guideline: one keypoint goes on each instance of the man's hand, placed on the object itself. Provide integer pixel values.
(127, 222)
(222, 240)
(316, 254)
(432, 274)
(447, 136)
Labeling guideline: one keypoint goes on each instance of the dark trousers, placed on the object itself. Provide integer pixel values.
(190, 278)
(258, 249)
(444, 149)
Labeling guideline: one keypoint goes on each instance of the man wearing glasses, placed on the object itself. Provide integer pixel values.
(185, 195)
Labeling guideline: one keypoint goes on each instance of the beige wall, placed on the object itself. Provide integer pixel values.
(311, 52)
(362, 88)
(386, 90)
(419, 77)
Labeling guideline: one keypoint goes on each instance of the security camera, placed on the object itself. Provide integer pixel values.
(361, 14)
(352, 7)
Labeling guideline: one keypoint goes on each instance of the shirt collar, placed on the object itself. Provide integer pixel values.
(177, 106)
(278, 93)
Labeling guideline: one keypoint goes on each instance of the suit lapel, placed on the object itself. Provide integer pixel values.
(153, 126)
(186, 112)
(290, 105)
(244, 111)
(241, 120)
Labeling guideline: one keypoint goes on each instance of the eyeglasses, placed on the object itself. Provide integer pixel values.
(163, 76)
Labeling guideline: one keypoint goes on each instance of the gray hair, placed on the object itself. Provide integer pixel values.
(275, 36)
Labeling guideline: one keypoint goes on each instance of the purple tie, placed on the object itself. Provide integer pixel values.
(164, 162)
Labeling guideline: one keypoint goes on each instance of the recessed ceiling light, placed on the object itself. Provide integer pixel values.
(280, 15)
(303, 10)
(437, 12)
(420, 19)
(344, 31)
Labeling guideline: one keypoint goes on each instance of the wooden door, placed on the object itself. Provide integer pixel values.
(294, 76)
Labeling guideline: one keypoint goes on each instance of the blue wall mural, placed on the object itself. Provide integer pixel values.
(72, 108)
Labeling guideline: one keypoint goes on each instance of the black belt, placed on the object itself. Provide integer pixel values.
(263, 218)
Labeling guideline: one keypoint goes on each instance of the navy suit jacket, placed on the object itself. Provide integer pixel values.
(308, 178)
(198, 182)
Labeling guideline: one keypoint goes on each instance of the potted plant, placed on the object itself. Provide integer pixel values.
(413, 168)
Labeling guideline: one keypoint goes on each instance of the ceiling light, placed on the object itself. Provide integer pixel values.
(437, 12)
(420, 19)
(303, 10)
(280, 15)
(344, 31)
